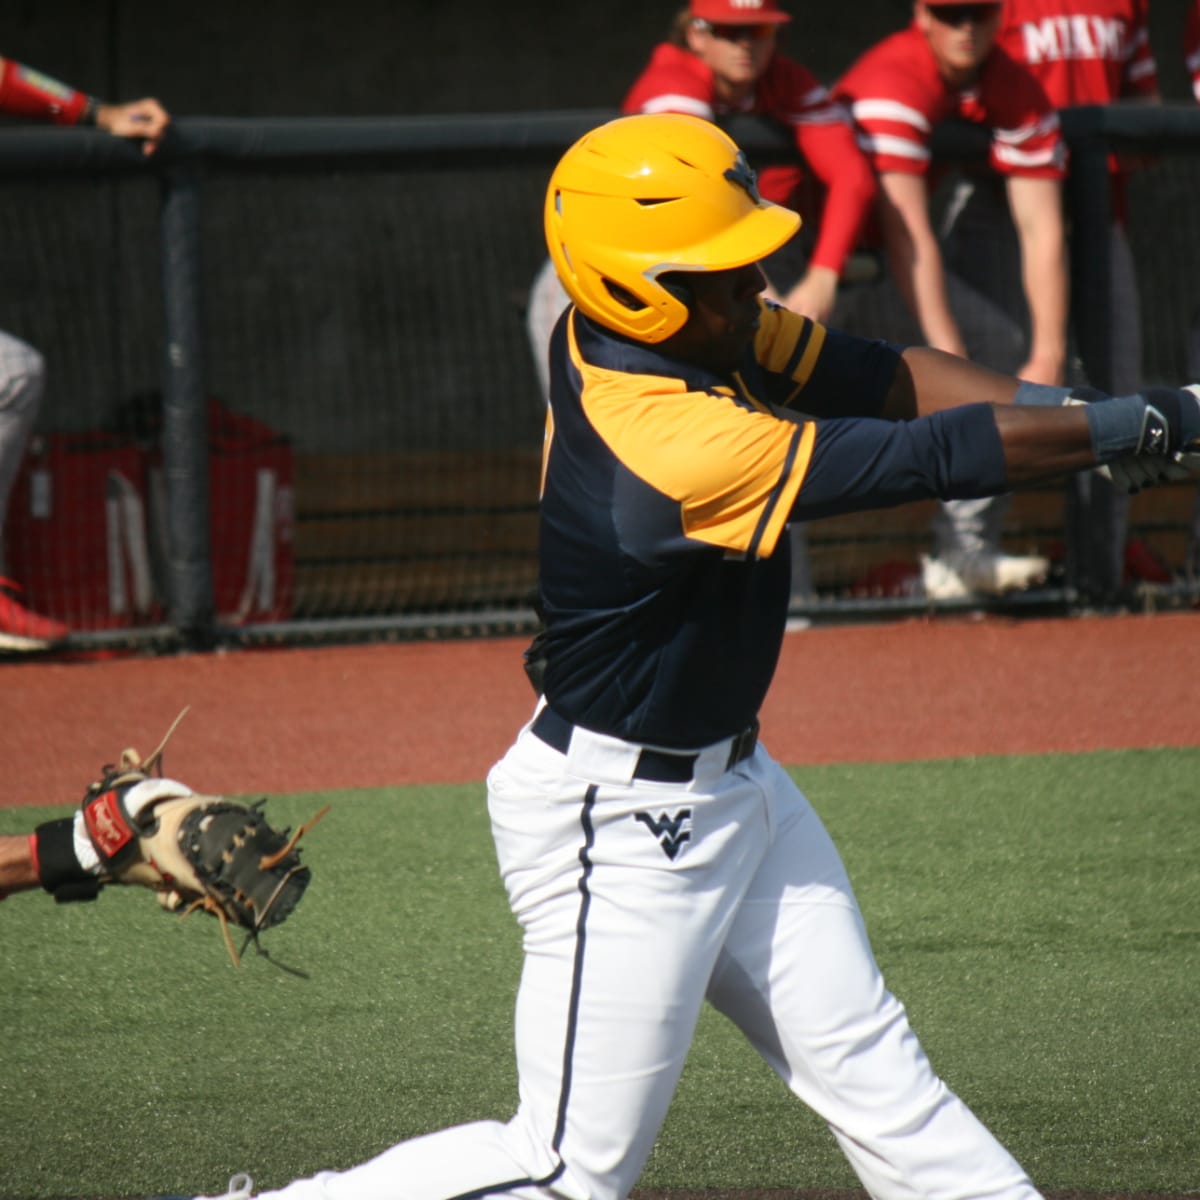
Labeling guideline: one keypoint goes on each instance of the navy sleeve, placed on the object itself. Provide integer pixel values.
(860, 464)
(851, 377)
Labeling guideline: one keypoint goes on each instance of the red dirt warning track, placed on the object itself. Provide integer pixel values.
(276, 721)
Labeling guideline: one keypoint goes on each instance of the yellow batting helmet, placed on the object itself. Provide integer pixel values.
(647, 194)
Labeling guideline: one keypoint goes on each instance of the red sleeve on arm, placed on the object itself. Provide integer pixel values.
(850, 188)
(28, 93)
(895, 96)
(1026, 139)
(674, 80)
(821, 127)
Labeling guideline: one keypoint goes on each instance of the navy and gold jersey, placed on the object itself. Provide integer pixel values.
(666, 490)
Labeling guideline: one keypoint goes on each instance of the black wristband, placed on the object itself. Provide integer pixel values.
(59, 871)
(90, 109)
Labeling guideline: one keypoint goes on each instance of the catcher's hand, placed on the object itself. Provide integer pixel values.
(196, 852)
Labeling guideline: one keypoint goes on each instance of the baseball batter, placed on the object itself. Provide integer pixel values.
(653, 853)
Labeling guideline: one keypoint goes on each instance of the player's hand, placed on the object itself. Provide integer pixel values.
(814, 295)
(144, 119)
(1044, 368)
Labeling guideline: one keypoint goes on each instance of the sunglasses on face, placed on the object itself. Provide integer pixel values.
(960, 14)
(738, 33)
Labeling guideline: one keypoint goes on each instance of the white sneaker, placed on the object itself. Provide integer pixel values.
(995, 574)
(963, 575)
(941, 581)
(241, 1187)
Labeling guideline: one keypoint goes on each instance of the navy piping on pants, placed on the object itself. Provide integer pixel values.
(585, 904)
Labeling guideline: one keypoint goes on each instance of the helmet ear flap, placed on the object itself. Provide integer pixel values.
(679, 288)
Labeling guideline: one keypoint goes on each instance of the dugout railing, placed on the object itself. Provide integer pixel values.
(290, 396)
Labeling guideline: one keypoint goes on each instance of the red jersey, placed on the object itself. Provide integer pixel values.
(897, 97)
(1191, 46)
(675, 80)
(1083, 51)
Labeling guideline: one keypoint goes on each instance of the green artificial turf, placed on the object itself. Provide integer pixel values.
(1040, 917)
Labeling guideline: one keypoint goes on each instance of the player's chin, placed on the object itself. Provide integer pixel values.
(727, 351)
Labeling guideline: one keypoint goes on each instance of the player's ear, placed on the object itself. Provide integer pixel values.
(692, 34)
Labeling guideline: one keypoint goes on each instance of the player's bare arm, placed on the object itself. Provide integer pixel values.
(815, 294)
(18, 871)
(25, 92)
(1036, 206)
(915, 259)
(928, 381)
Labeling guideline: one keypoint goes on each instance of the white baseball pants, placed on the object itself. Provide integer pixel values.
(638, 900)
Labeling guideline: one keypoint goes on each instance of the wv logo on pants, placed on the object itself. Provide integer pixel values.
(671, 831)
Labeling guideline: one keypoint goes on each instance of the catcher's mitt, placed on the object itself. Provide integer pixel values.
(196, 852)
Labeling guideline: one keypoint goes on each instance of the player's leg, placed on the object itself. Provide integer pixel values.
(22, 376)
(797, 975)
(616, 970)
(624, 895)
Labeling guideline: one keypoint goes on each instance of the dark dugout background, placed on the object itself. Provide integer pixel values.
(367, 57)
(374, 318)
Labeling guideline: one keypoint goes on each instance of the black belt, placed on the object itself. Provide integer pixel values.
(659, 766)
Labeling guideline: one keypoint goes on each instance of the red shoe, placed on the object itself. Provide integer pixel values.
(23, 629)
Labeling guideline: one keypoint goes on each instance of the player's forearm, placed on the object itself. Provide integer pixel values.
(1040, 433)
(927, 381)
(915, 260)
(18, 866)
(47, 858)
(985, 449)
(1043, 445)
(1044, 273)
(851, 192)
(932, 308)
(917, 269)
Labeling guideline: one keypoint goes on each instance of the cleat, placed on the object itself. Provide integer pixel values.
(23, 629)
(960, 576)
(940, 581)
(241, 1187)
(996, 574)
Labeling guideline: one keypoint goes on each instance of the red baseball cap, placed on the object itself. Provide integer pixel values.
(738, 12)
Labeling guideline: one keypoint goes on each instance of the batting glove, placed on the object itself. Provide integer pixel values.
(1169, 447)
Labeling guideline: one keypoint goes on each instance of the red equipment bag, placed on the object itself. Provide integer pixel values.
(251, 494)
(76, 531)
(251, 517)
